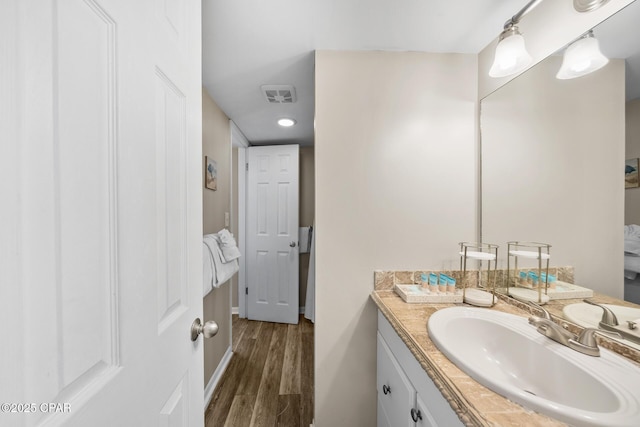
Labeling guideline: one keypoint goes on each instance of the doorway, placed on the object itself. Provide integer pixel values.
(272, 255)
(305, 218)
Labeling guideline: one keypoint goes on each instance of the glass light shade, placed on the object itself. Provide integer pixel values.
(581, 58)
(511, 56)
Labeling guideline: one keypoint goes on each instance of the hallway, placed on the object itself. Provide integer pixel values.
(269, 381)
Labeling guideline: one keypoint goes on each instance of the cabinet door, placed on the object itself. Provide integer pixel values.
(383, 420)
(395, 392)
(425, 417)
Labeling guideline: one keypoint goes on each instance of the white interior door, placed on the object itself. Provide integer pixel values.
(272, 233)
(105, 218)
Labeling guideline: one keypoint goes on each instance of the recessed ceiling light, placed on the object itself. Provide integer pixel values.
(286, 122)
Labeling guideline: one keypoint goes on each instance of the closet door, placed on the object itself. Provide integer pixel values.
(272, 255)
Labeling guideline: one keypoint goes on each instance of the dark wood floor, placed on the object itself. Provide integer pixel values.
(269, 381)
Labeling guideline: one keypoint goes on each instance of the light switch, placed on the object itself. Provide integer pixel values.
(226, 219)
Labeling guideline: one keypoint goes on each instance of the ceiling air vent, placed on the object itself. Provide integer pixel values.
(279, 94)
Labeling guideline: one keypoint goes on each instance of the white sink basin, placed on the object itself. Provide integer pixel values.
(506, 354)
(589, 316)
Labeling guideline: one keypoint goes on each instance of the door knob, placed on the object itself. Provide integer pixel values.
(209, 329)
(292, 244)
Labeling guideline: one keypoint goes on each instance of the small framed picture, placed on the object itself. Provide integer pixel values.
(631, 174)
(210, 173)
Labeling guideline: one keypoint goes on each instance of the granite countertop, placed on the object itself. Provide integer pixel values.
(475, 404)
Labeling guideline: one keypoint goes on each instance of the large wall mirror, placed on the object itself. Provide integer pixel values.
(553, 161)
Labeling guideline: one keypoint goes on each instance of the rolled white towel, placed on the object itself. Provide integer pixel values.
(228, 245)
(226, 238)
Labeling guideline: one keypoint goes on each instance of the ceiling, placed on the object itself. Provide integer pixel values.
(250, 43)
(619, 36)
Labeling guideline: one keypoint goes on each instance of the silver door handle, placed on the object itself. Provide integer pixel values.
(209, 329)
(292, 244)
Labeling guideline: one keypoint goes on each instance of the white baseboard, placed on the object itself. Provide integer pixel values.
(302, 310)
(217, 375)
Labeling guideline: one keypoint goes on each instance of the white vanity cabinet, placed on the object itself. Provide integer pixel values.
(396, 395)
(405, 391)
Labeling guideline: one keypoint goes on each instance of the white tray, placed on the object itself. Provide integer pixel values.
(417, 294)
(530, 254)
(526, 295)
(564, 290)
(479, 255)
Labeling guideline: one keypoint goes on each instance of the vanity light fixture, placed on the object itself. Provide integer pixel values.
(511, 53)
(588, 5)
(582, 57)
(284, 122)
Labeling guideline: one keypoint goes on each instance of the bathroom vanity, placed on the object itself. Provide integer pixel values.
(406, 387)
(424, 380)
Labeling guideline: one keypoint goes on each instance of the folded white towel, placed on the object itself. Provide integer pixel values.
(632, 246)
(223, 270)
(230, 253)
(632, 231)
(228, 245)
(226, 238)
(208, 272)
(632, 263)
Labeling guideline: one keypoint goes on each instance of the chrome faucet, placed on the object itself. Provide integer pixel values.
(545, 313)
(609, 322)
(552, 330)
(584, 343)
(608, 317)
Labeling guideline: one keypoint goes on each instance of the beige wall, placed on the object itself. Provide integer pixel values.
(307, 210)
(552, 156)
(216, 143)
(395, 163)
(632, 195)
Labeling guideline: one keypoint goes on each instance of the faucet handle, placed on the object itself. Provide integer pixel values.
(544, 311)
(587, 336)
(586, 342)
(608, 317)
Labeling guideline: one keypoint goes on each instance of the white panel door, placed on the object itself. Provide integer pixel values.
(105, 219)
(272, 255)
